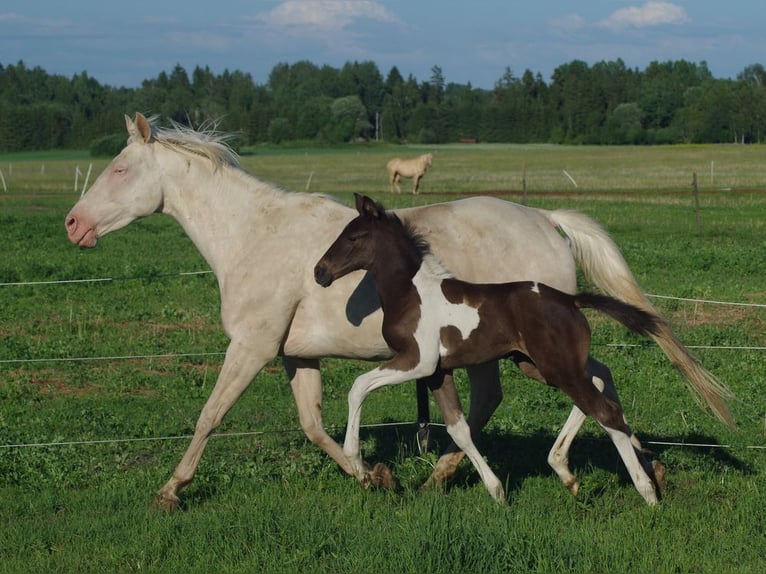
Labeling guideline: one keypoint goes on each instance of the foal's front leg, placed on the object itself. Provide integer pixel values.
(445, 394)
(364, 384)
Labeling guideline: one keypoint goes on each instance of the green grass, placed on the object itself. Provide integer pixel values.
(268, 501)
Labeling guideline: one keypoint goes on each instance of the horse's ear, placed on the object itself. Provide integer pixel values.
(144, 128)
(140, 130)
(132, 131)
(366, 206)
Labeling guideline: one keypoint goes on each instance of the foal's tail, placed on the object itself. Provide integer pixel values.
(602, 263)
(635, 319)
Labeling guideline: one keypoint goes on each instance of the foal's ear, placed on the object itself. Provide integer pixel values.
(367, 207)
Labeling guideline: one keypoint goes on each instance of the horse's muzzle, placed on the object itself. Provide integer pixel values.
(323, 276)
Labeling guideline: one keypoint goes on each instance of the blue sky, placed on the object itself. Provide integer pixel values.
(123, 43)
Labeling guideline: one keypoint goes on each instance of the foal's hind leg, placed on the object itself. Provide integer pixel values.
(608, 413)
(558, 457)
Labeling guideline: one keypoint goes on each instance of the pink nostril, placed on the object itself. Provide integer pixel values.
(71, 223)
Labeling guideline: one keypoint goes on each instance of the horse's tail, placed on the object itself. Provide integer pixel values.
(636, 319)
(602, 263)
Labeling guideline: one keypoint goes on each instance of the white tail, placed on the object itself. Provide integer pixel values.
(602, 263)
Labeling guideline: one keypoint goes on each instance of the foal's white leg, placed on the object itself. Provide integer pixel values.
(628, 446)
(558, 457)
(641, 480)
(239, 368)
(363, 386)
(486, 395)
(449, 403)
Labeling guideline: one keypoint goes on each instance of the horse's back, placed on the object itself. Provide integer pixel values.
(490, 240)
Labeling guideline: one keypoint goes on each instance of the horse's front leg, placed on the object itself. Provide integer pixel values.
(415, 183)
(306, 382)
(240, 366)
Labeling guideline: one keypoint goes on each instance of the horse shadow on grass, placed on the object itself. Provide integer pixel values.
(518, 457)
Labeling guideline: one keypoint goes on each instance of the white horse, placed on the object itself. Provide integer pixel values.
(414, 168)
(270, 304)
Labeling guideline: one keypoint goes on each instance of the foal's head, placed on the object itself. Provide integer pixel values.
(370, 241)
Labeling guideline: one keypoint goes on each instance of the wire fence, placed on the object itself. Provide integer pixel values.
(283, 431)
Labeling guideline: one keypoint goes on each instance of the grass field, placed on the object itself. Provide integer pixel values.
(85, 443)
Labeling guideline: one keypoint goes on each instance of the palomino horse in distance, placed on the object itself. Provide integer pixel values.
(414, 168)
(433, 321)
(262, 243)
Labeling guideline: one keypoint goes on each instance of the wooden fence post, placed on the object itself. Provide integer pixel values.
(524, 183)
(695, 193)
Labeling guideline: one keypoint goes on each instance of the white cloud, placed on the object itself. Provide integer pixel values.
(324, 15)
(646, 15)
(568, 23)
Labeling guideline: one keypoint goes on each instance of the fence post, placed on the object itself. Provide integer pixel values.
(695, 193)
(524, 183)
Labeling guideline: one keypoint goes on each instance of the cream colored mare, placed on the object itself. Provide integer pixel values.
(414, 168)
(263, 258)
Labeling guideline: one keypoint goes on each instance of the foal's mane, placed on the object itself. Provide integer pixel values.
(420, 246)
(207, 142)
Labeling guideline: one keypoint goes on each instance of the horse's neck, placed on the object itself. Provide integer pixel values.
(215, 208)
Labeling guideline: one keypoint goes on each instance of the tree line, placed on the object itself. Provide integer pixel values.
(604, 103)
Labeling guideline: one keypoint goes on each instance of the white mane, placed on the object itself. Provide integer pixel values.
(207, 142)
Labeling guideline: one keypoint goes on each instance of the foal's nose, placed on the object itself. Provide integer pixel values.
(322, 276)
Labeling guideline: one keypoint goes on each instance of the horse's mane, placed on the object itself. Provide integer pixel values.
(207, 142)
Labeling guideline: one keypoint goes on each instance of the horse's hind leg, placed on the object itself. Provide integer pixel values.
(446, 397)
(395, 182)
(306, 384)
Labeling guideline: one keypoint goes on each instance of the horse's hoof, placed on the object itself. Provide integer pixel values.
(381, 477)
(168, 503)
(659, 475)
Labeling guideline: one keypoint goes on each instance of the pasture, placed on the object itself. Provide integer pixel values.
(101, 383)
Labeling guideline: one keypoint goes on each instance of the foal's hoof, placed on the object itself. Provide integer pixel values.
(573, 486)
(166, 502)
(659, 475)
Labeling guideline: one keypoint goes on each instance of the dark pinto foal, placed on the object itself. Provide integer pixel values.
(434, 322)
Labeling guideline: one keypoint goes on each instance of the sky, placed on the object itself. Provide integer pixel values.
(123, 43)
